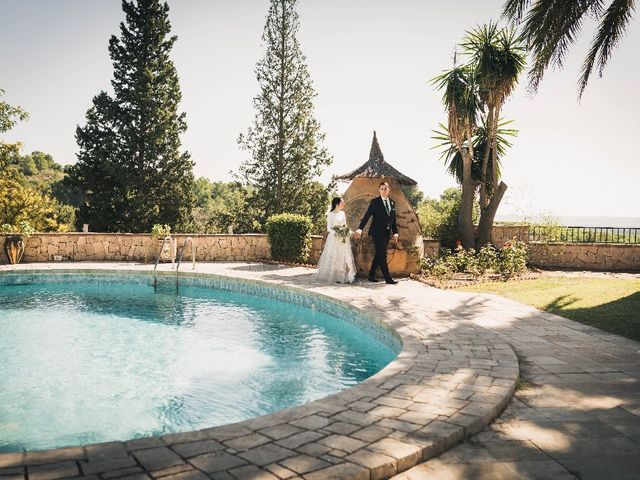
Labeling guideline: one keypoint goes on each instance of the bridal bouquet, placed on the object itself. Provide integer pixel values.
(342, 232)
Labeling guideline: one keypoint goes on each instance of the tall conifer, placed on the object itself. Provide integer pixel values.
(285, 141)
(131, 170)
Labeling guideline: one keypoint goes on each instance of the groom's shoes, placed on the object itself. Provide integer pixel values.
(372, 279)
(391, 281)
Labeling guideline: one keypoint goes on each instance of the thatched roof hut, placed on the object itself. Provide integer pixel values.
(364, 186)
(376, 167)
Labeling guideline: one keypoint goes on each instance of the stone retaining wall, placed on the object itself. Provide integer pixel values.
(585, 256)
(503, 233)
(132, 247)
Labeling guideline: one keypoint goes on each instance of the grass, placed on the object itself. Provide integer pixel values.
(522, 384)
(611, 304)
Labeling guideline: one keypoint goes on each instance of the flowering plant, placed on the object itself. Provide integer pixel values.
(342, 232)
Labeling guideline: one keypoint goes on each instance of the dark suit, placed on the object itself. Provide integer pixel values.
(382, 227)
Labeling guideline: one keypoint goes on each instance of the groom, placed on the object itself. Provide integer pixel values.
(383, 211)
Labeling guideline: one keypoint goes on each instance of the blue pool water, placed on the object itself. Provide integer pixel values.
(85, 362)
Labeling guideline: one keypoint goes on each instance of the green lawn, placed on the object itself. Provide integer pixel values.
(612, 304)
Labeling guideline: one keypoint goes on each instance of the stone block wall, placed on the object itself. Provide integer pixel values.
(129, 247)
(585, 256)
(503, 233)
(431, 247)
(317, 242)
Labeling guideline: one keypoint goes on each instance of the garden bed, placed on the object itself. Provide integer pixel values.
(465, 279)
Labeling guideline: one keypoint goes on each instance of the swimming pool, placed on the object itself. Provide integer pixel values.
(93, 357)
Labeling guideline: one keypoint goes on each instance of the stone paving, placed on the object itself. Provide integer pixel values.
(578, 417)
(455, 374)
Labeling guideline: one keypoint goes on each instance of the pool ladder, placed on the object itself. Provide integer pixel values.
(174, 263)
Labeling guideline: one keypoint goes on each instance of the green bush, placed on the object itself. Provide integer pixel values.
(160, 231)
(510, 260)
(290, 237)
(439, 217)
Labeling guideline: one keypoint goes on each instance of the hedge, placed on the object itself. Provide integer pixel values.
(289, 236)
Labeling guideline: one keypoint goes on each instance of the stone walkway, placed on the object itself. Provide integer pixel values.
(579, 415)
(580, 419)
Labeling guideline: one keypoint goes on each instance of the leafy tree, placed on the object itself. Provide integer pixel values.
(439, 217)
(220, 205)
(284, 141)
(550, 27)
(473, 140)
(414, 195)
(20, 199)
(130, 169)
(24, 203)
(9, 116)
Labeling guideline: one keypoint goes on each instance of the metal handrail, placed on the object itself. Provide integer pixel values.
(193, 257)
(155, 268)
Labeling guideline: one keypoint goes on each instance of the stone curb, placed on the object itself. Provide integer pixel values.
(450, 380)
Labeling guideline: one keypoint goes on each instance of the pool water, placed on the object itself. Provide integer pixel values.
(85, 363)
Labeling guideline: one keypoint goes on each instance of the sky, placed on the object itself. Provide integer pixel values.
(370, 61)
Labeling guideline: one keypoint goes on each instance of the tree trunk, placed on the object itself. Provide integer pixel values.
(465, 216)
(494, 149)
(484, 194)
(488, 215)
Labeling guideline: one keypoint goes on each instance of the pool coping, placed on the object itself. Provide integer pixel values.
(450, 380)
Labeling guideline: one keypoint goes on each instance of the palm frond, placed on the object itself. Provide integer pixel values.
(453, 158)
(498, 57)
(514, 10)
(551, 27)
(460, 99)
(610, 31)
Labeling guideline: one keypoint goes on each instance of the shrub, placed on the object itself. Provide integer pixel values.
(439, 217)
(488, 258)
(23, 229)
(512, 258)
(160, 231)
(508, 261)
(290, 237)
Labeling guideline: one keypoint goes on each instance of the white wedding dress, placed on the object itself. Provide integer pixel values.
(336, 262)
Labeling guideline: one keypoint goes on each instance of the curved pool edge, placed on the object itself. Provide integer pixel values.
(450, 379)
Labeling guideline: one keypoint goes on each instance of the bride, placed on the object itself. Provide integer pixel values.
(336, 262)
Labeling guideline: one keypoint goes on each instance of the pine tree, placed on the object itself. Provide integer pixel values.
(285, 139)
(130, 169)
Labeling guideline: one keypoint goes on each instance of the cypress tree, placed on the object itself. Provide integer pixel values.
(131, 170)
(284, 140)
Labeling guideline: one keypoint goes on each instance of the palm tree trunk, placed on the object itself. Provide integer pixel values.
(465, 216)
(494, 148)
(488, 215)
(484, 200)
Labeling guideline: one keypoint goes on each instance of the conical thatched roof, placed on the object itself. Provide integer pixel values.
(376, 167)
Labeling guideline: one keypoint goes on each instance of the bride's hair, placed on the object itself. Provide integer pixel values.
(335, 202)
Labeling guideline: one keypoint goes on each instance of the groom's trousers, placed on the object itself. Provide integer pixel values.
(381, 242)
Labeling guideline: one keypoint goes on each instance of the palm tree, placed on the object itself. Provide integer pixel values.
(550, 27)
(462, 102)
(473, 97)
(453, 160)
(499, 57)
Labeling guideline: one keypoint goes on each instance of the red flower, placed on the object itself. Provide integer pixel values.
(458, 243)
(507, 245)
